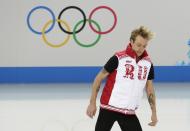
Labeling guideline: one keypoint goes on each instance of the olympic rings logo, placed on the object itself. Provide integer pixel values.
(68, 30)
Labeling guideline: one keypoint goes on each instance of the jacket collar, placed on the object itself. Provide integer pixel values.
(131, 52)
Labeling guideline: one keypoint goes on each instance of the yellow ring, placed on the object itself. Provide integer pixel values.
(51, 44)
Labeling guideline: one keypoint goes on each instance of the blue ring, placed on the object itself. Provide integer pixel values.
(41, 7)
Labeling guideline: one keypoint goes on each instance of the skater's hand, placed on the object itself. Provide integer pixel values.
(91, 110)
(154, 120)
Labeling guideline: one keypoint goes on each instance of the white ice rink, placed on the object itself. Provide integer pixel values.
(61, 107)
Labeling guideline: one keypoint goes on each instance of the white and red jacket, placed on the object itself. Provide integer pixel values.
(124, 86)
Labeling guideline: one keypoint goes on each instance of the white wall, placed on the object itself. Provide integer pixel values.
(62, 107)
(20, 47)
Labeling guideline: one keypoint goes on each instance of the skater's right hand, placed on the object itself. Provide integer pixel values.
(91, 110)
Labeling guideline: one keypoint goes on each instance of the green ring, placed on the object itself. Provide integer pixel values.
(81, 44)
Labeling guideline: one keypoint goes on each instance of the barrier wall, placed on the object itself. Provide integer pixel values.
(81, 74)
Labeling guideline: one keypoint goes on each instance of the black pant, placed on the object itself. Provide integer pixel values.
(107, 118)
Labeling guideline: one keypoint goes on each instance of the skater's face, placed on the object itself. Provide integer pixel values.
(139, 45)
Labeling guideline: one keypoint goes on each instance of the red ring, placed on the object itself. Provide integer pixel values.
(115, 19)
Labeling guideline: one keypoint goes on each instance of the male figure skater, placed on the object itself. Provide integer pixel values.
(127, 73)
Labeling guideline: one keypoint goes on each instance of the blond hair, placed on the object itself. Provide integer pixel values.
(142, 31)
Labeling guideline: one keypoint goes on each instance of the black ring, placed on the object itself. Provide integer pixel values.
(72, 7)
